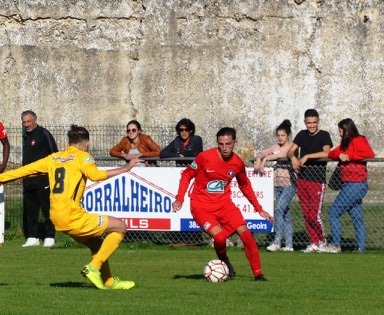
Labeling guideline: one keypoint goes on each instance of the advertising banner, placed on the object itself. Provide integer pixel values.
(143, 199)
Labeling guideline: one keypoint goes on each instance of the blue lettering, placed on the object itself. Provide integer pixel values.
(98, 204)
(107, 197)
(135, 196)
(167, 204)
(143, 199)
(124, 199)
(116, 197)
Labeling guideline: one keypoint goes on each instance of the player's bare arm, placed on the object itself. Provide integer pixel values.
(127, 167)
(266, 215)
(176, 205)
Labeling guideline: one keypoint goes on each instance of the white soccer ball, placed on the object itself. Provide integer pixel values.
(216, 270)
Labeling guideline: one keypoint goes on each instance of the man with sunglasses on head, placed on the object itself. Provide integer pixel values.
(186, 144)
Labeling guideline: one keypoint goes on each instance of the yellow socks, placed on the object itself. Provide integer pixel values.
(110, 244)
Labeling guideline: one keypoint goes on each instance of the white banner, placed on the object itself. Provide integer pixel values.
(143, 199)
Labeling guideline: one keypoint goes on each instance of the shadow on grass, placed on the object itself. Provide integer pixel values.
(193, 277)
(71, 284)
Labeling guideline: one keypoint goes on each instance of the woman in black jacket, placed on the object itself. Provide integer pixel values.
(186, 144)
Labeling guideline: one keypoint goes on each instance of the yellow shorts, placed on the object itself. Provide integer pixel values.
(88, 226)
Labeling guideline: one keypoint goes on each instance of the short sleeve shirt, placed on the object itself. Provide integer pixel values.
(314, 170)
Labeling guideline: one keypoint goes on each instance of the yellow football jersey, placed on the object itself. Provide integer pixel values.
(68, 171)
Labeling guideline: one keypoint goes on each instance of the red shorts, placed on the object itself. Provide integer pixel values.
(225, 215)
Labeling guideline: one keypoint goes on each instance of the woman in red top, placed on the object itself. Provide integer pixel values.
(351, 153)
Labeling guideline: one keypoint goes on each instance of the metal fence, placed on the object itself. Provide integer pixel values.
(104, 137)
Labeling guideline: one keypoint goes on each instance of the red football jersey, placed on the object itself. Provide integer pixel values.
(213, 176)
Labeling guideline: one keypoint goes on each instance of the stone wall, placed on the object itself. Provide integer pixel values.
(249, 64)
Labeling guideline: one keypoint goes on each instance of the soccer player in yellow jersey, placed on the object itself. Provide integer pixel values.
(68, 171)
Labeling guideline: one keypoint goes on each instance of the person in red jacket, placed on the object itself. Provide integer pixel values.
(211, 204)
(6, 147)
(351, 153)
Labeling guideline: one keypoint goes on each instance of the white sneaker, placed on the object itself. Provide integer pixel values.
(287, 249)
(273, 247)
(49, 242)
(330, 249)
(31, 241)
(323, 244)
(312, 248)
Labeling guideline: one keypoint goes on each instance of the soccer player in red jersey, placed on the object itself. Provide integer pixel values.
(211, 204)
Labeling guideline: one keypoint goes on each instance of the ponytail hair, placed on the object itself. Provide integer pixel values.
(286, 126)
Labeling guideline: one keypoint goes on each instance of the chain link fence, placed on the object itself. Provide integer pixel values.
(372, 204)
(104, 137)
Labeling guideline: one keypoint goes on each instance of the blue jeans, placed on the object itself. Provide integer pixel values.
(282, 215)
(349, 200)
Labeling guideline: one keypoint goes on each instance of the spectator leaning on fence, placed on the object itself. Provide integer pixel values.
(310, 185)
(186, 144)
(68, 171)
(135, 144)
(351, 152)
(38, 142)
(6, 147)
(284, 185)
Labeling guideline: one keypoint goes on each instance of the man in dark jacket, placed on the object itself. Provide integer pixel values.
(37, 143)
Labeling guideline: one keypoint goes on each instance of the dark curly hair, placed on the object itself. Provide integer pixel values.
(187, 123)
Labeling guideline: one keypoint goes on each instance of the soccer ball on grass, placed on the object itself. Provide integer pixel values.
(216, 270)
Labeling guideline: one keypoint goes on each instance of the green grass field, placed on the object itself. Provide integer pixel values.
(169, 281)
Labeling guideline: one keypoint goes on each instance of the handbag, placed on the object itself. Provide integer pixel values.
(335, 181)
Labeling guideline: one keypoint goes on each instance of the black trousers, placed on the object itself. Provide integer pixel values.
(33, 201)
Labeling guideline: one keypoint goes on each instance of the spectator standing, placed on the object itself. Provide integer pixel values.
(211, 204)
(68, 171)
(6, 147)
(351, 152)
(313, 144)
(135, 144)
(186, 144)
(37, 143)
(285, 182)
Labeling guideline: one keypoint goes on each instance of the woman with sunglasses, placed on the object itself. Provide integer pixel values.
(135, 144)
(186, 144)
